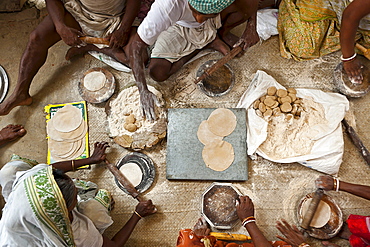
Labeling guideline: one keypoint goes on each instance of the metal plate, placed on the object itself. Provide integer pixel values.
(4, 84)
(330, 229)
(184, 150)
(102, 94)
(346, 87)
(218, 205)
(147, 168)
(219, 83)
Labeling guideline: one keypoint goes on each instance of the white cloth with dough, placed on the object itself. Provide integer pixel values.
(326, 154)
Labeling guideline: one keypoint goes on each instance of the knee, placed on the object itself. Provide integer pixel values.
(158, 75)
(35, 37)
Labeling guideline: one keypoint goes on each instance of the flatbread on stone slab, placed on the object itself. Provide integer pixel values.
(94, 81)
(67, 118)
(206, 136)
(222, 122)
(321, 216)
(218, 155)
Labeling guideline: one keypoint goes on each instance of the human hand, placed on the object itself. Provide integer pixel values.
(325, 182)
(145, 208)
(70, 36)
(353, 69)
(99, 155)
(250, 37)
(147, 100)
(119, 38)
(244, 207)
(201, 228)
(292, 235)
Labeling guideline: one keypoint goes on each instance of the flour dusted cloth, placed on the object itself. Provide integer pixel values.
(327, 150)
(96, 18)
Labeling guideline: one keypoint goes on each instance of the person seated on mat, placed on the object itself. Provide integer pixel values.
(351, 18)
(68, 20)
(179, 29)
(199, 236)
(324, 26)
(11, 133)
(357, 229)
(41, 201)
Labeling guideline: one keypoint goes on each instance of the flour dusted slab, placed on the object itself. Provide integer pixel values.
(184, 150)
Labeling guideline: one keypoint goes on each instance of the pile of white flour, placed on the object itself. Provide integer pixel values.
(294, 137)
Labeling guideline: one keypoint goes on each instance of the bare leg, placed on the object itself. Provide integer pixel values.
(329, 244)
(11, 133)
(230, 17)
(201, 228)
(41, 39)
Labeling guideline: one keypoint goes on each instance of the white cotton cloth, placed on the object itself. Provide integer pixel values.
(85, 233)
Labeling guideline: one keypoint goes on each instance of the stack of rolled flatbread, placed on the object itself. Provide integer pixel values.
(217, 153)
(66, 130)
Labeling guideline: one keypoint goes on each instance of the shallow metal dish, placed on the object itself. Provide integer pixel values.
(4, 84)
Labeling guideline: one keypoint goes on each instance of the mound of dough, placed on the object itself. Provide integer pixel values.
(218, 155)
(148, 133)
(222, 122)
(321, 216)
(94, 81)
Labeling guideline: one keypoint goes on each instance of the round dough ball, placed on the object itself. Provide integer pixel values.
(218, 155)
(281, 93)
(286, 99)
(262, 107)
(271, 91)
(263, 98)
(222, 122)
(259, 113)
(269, 102)
(275, 105)
(292, 90)
(286, 107)
(268, 113)
(132, 172)
(94, 81)
(321, 216)
(206, 136)
(256, 104)
(292, 96)
(130, 119)
(130, 127)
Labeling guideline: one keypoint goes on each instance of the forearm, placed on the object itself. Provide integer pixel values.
(258, 238)
(131, 11)
(56, 11)
(137, 51)
(123, 235)
(72, 165)
(355, 189)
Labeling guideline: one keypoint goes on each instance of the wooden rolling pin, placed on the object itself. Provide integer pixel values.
(364, 50)
(235, 51)
(357, 141)
(94, 40)
(230, 236)
(307, 218)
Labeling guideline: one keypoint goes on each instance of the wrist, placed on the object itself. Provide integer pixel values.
(137, 215)
(348, 59)
(248, 220)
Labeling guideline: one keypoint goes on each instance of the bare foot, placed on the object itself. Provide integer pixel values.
(11, 133)
(201, 228)
(13, 101)
(218, 45)
(328, 244)
(230, 39)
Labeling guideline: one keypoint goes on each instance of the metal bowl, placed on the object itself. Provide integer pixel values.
(332, 227)
(219, 83)
(218, 205)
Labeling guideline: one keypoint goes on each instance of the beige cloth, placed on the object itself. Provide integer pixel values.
(96, 18)
(178, 41)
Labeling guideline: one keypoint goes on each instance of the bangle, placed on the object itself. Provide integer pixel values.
(304, 245)
(138, 214)
(337, 188)
(248, 221)
(334, 184)
(248, 218)
(349, 58)
(73, 165)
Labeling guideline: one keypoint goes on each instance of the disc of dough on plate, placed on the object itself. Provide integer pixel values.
(205, 136)
(321, 216)
(67, 118)
(94, 81)
(222, 122)
(218, 155)
(132, 172)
